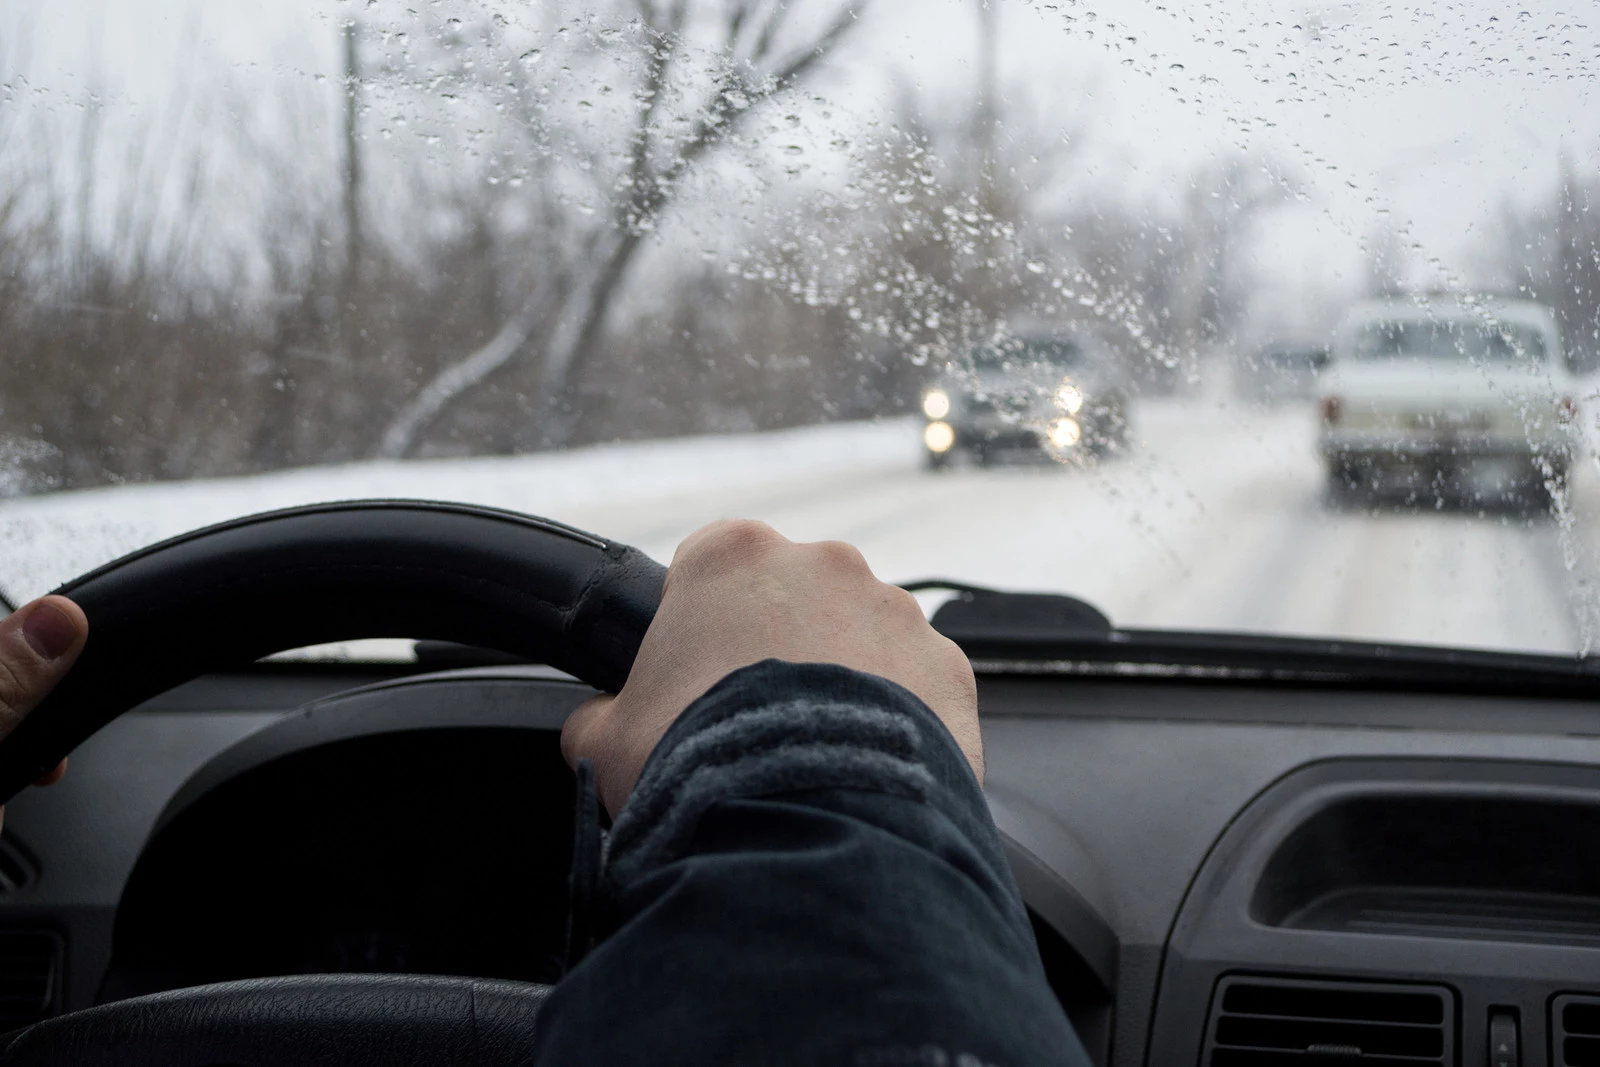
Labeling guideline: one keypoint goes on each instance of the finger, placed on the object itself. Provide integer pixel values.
(579, 734)
(39, 643)
(53, 776)
(49, 779)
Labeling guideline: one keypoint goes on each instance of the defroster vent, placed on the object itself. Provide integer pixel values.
(1274, 1022)
(30, 977)
(1575, 1026)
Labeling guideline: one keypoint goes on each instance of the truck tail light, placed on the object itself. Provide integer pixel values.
(1332, 408)
(1568, 410)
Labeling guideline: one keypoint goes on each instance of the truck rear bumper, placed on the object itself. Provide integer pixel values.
(1474, 470)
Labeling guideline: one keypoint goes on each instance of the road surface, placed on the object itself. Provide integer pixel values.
(1215, 520)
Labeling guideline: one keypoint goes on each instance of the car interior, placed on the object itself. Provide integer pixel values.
(1231, 853)
(1222, 378)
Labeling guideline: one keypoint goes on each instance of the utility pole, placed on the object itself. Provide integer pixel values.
(352, 169)
(988, 110)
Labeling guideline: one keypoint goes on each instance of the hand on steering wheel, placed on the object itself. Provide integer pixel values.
(739, 592)
(39, 643)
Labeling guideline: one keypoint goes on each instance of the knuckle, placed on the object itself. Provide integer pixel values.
(959, 666)
(726, 539)
(842, 555)
(905, 604)
(16, 689)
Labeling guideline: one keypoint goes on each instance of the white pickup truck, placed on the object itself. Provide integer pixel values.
(1448, 400)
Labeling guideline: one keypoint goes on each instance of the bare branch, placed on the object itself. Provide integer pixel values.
(807, 58)
(667, 37)
(716, 123)
(768, 33)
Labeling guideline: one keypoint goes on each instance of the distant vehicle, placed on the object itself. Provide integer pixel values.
(1280, 372)
(1446, 400)
(1044, 391)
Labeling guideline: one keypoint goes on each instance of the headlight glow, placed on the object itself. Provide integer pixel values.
(936, 404)
(1069, 397)
(939, 437)
(1064, 433)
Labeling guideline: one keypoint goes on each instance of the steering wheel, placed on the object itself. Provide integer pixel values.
(230, 594)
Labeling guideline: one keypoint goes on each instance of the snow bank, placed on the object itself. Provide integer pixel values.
(48, 539)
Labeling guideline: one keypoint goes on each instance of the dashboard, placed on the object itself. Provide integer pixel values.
(1223, 874)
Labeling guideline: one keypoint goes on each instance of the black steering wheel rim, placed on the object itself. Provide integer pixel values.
(229, 594)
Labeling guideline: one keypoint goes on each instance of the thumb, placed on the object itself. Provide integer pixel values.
(39, 643)
(581, 734)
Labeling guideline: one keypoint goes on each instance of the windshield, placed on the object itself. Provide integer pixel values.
(640, 264)
(1448, 341)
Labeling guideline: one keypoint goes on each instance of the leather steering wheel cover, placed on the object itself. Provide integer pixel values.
(325, 1020)
(229, 594)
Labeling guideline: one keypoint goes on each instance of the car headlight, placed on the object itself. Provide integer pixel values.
(1069, 397)
(936, 403)
(939, 437)
(1064, 433)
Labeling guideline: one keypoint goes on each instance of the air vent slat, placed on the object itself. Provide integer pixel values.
(1575, 1029)
(1232, 1057)
(1581, 1016)
(1324, 1018)
(1258, 1022)
(1580, 1052)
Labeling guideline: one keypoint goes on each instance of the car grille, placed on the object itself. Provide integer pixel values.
(1012, 405)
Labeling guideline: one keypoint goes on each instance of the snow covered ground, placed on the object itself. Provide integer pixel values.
(1215, 521)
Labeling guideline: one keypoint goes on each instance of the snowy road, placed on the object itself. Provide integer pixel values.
(1214, 521)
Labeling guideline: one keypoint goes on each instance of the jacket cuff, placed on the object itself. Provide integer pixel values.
(775, 728)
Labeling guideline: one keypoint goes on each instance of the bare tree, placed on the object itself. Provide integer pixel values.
(1386, 262)
(352, 166)
(1225, 200)
(756, 50)
(1550, 252)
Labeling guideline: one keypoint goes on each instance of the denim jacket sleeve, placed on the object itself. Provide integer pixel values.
(806, 873)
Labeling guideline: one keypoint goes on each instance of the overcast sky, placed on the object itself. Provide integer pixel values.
(1421, 116)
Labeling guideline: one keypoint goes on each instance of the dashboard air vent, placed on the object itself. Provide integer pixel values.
(1575, 1027)
(30, 977)
(1275, 1022)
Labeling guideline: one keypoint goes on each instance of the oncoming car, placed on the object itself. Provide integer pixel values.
(1448, 400)
(1042, 391)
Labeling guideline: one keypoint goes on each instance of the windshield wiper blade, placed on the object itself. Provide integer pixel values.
(1044, 633)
